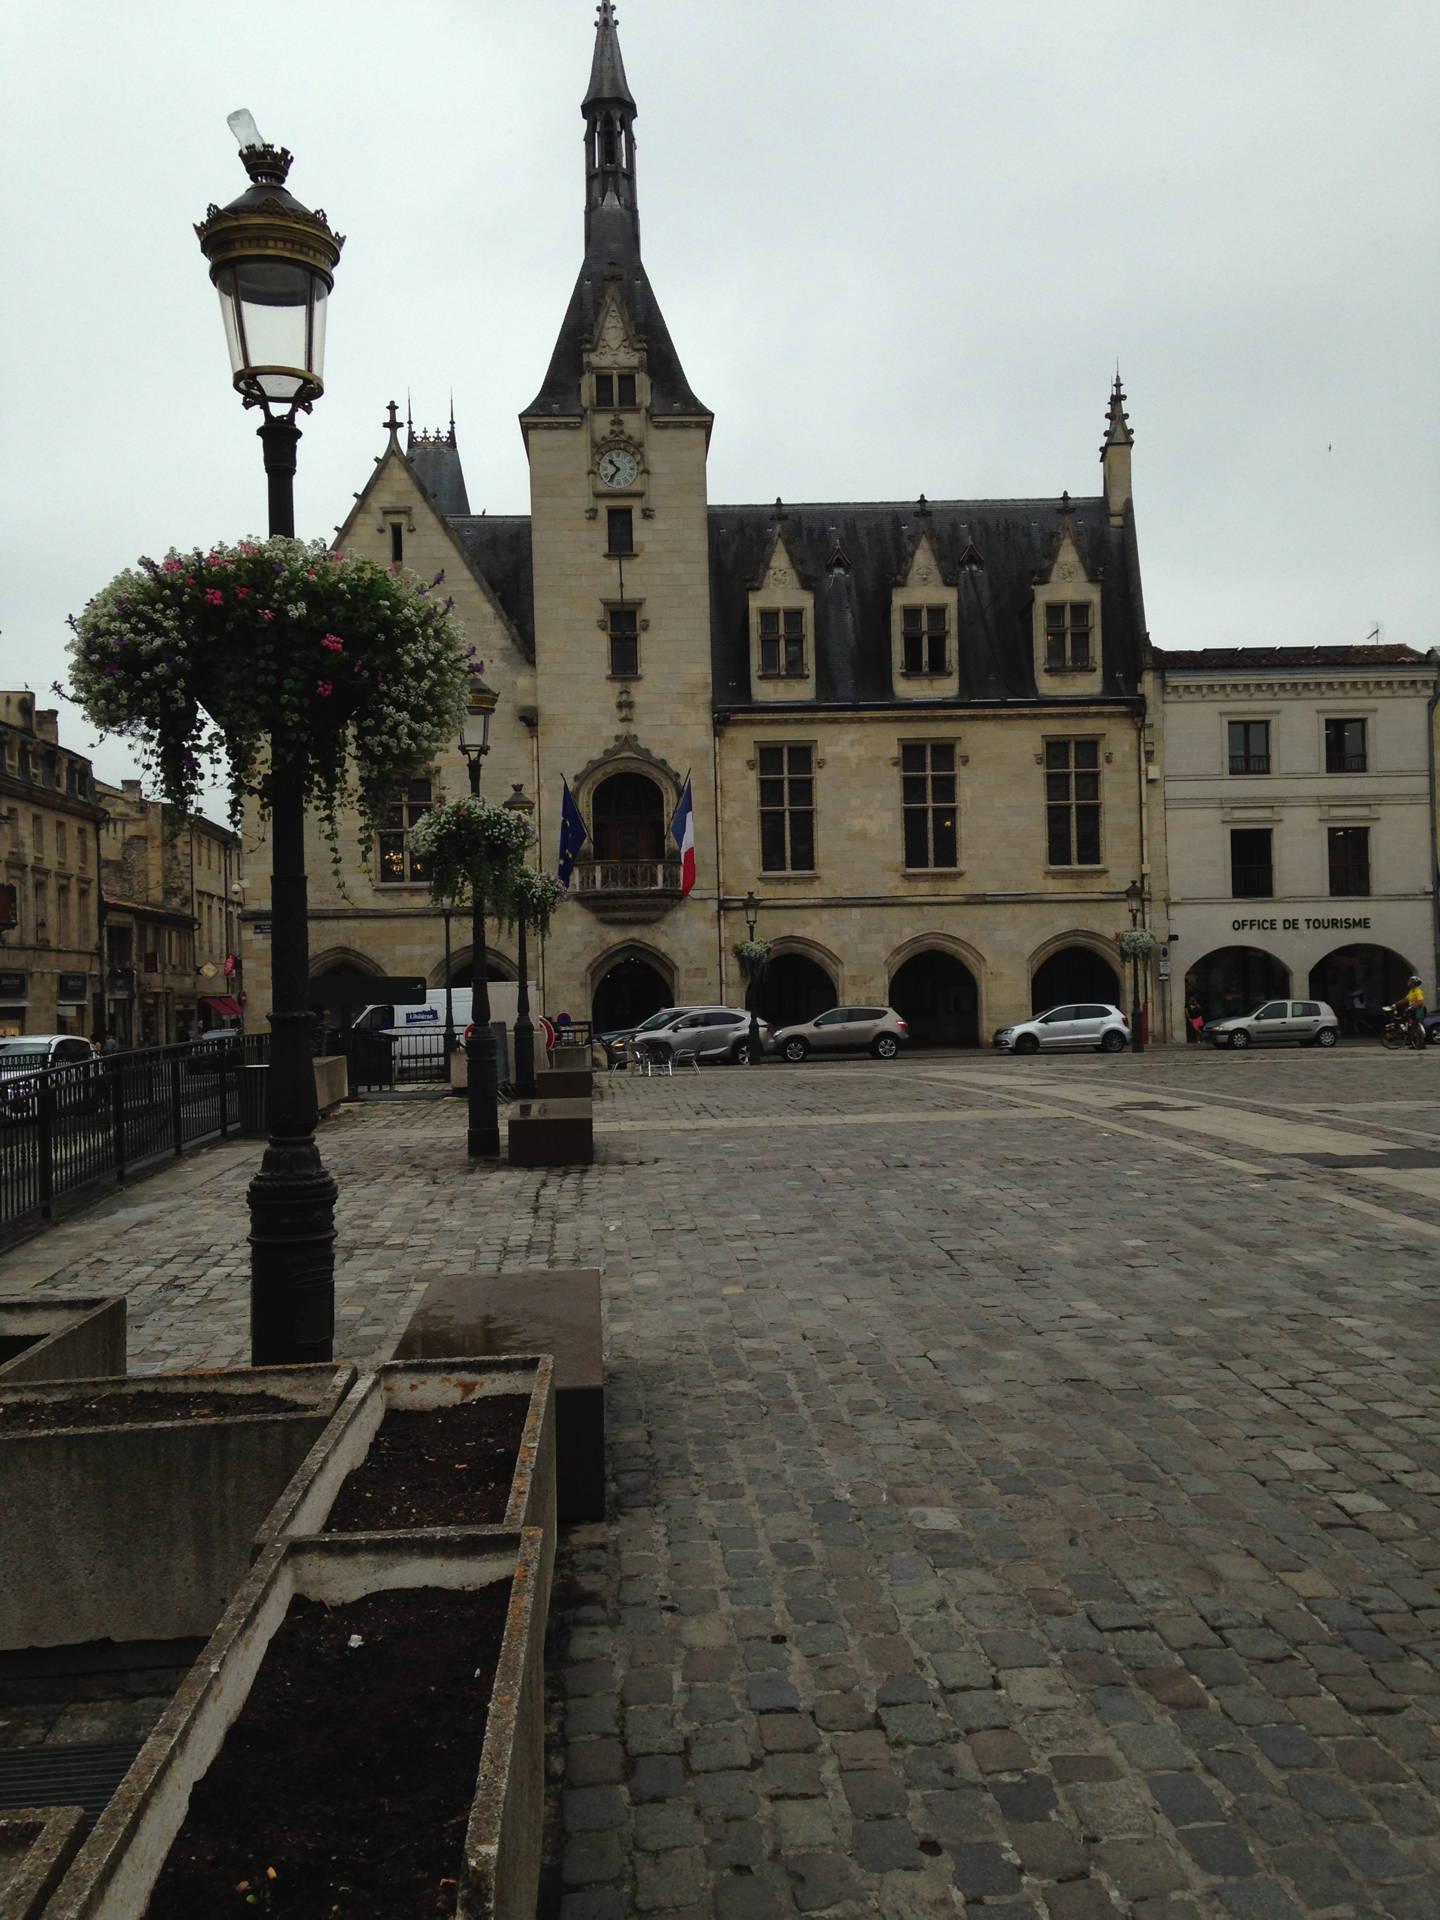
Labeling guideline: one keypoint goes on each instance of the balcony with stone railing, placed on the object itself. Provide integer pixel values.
(626, 892)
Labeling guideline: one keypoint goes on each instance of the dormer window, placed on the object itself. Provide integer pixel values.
(782, 642)
(924, 633)
(1067, 637)
(615, 390)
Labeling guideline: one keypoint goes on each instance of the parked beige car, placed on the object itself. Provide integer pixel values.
(876, 1030)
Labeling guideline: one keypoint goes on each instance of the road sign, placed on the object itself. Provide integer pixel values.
(348, 987)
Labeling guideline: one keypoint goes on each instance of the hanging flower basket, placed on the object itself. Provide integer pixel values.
(469, 845)
(1137, 943)
(269, 651)
(536, 895)
(754, 956)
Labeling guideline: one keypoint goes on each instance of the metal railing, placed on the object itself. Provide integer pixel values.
(627, 876)
(1336, 762)
(1252, 883)
(63, 1129)
(1249, 763)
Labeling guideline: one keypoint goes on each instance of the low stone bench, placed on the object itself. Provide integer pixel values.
(564, 1083)
(551, 1133)
(542, 1310)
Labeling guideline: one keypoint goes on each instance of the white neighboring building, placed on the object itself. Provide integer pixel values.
(1300, 823)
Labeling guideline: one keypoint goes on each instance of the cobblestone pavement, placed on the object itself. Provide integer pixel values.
(1024, 1473)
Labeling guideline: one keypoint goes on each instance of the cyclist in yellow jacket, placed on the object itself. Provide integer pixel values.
(1411, 1007)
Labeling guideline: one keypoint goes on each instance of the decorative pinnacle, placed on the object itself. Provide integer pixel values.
(392, 425)
(1117, 429)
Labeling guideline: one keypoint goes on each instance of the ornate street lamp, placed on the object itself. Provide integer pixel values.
(752, 915)
(445, 912)
(481, 1082)
(273, 263)
(521, 803)
(1135, 900)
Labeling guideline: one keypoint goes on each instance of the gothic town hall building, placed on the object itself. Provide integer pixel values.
(917, 730)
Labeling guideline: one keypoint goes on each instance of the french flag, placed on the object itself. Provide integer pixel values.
(682, 832)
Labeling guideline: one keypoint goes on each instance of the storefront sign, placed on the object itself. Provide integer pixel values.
(12, 986)
(1343, 924)
(74, 986)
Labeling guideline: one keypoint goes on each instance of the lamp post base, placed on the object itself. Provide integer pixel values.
(292, 1257)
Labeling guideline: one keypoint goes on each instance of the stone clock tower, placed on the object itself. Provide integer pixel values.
(617, 442)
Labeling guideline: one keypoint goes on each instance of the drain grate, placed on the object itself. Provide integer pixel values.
(84, 1777)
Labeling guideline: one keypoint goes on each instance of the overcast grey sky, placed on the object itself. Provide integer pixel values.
(899, 247)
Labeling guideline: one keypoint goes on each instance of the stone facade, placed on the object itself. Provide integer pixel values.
(172, 906)
(1299, 786)
(970, 675)
(49, 820)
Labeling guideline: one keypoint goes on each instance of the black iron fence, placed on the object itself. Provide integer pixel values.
(64, 1129)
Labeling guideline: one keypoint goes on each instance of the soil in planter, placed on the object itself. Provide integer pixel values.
(351, 1768)
(135, 1409)
(451, 1467)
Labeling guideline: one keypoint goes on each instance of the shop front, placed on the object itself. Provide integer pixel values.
(14, 1002)
(1234, 958)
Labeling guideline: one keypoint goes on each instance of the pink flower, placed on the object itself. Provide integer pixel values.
(324, 688)
(266, 614)
(171, 566)
(332, 643)
(214, 597)
(242, 593)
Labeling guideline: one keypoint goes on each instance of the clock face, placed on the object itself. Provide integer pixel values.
(618, 468)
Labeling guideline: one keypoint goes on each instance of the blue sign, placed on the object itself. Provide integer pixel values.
(415, 1017)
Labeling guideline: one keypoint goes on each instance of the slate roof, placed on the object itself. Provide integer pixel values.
(992, 550)
(613, 243)
(1223, 659)
(436, 460)
(497, 545)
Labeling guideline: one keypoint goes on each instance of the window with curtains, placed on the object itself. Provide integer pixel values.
(399, 866)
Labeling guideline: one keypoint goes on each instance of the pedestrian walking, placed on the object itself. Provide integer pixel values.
(1194, 1022)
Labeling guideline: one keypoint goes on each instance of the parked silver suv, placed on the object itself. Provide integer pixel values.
(876, 1030)
(704, 1033)
(1091, 1023)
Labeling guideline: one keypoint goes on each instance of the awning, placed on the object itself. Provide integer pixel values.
(223, 1004)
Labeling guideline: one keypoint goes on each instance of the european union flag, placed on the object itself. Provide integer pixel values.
(572, 835)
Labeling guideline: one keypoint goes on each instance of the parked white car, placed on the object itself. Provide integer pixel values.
(1303, 1023)
(706, 1033)
(1089, 1024)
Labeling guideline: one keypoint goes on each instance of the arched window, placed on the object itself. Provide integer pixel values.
(627, 818)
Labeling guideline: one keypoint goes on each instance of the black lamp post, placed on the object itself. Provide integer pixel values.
(273, 262)
(482, 1138)
(752, 915)
(521, 803)
(1135, 900)
(445, 913)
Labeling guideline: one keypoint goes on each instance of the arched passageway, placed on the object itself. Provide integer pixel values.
(1379, 973)
(1234, 980)
(462, 971)
(794, 988)
(627, 819)
(628, 992)
(1074, 973)
(937, 997)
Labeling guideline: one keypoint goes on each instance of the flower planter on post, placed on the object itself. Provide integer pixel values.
(495, 1872)
(138, 1525)
(323, 681)
(429, 1386)
(753, 956)
(56, 1338)
(36, 1846)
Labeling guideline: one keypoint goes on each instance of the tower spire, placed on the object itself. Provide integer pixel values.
(609, 111)
(1115, 455)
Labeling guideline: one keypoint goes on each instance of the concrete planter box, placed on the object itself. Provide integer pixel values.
(63, 1339)
(36, 1846)
(551, 1133)
(569, 1057)
(115, 1872)
(143, 1531)
(418, 1386)
(554, 1310)
(332, 1085)
(564, 1083)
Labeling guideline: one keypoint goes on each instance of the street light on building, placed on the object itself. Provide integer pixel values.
(273, 262)
(1135, 900)
(752, 916)
(481, 1081)
(521, 803)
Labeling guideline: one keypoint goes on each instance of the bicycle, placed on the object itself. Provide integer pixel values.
(1403, 1029)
